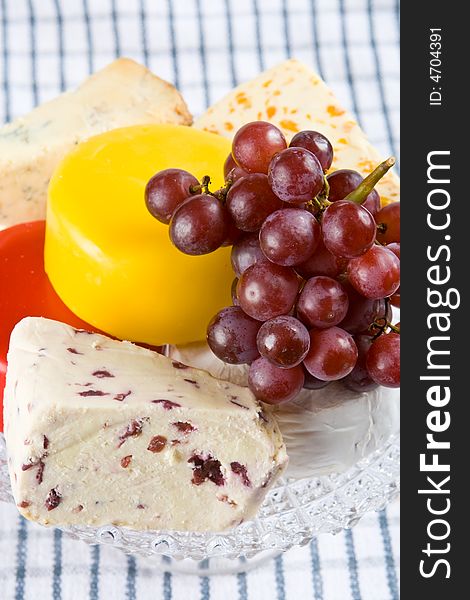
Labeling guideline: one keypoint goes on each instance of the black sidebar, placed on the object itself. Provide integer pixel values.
(435, 324)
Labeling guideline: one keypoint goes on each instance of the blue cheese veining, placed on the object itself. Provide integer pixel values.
(124, 93)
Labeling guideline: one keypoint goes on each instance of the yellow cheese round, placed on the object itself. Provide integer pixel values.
(109, 260)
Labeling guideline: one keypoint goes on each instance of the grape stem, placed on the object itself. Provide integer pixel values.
(365, 187)
(381, 227)
(318, 204)
(382, 324)
(315, 206)
(323, 195)
(203, 188)
(205, 184)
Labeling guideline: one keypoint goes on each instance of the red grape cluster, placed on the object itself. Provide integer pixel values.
(317, 262)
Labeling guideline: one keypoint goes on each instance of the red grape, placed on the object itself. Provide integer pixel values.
(344, 181)
(322, 262)
(289, 236)
(233, 291)
(317, 144)
(233, 233)
(332, 354)
(232, 171)
(166, 191)
(376, 274)
(284, 341)
(250, 200)
(313, 383)
(395, 248)
(231, 335)
(383, 360)
(266, 290)
(272, 384)
(246, 252)
(348, 229)
(229, 164)
(395, 298)
(358, 380)
(199, 225)
(255, 144)
(295, 175)
(323, 302)
(372, 202)
(389, 218)
(362, 312)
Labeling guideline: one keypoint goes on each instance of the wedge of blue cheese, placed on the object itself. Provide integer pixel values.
(123, 93)
(104, 432)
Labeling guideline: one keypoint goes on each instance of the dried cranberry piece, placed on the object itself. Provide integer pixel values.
(28, 466)
(88, 393)
(121, 397)
(126, 461)
(45, 442)
(53, 499)
(37, 463)
(193, 382)
(157, 443)
(102, 374)
(74, 351)
(134, 429)
(167, 404)
(40, 472)
(206, 468)
(240, 470)
(184, 427)
(24, 504)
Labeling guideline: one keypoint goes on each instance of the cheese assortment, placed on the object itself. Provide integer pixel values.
(123, 93)
(153, 229)
(101, 431)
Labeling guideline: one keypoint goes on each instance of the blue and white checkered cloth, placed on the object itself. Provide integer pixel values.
(205, 47)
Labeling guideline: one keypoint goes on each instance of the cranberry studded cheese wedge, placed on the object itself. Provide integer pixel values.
(123, 93)
(294, 98)
(103, 432)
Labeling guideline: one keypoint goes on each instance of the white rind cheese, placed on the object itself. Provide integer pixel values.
(329, 430)
(294, 97)
(124, 93)
(104, 432)
(325, 431)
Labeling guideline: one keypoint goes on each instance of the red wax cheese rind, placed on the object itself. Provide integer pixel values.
(25, 290)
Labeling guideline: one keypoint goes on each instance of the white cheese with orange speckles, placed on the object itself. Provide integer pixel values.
(294, 98)
(123, 93)
(104, 432)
